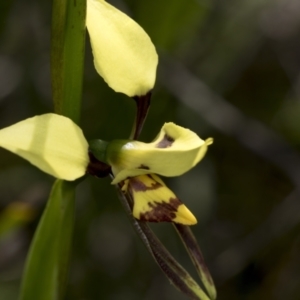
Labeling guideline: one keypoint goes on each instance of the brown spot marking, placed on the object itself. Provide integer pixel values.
(143, 167)
(161, 212)
(166, 142)
(138, 186)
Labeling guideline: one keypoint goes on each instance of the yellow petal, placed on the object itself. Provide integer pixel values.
(51, 142)
(174, 151)
(123, 52)
(155, 202)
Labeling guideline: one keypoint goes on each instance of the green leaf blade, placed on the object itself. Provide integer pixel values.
(47, 264)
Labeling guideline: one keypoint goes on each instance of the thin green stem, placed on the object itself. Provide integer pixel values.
(67, 56)
(46, 272)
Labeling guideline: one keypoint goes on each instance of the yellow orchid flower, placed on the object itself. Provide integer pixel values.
(57, 146)
(123, 52)
(51, 142)
(173, 152)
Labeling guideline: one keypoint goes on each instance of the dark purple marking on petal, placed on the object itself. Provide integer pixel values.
(161, 211)
(139, 186)
(166, 142)
(143, 167)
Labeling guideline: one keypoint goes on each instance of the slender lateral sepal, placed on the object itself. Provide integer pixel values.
(197, 258)
(177, 275)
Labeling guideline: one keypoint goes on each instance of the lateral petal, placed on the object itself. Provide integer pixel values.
(51, 142)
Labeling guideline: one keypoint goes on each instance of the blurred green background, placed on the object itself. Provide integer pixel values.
(228, 70)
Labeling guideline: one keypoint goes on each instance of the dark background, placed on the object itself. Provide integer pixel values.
(228, 70)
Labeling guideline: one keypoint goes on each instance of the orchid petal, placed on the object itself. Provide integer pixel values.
(123, 52)
(51, 142)
(155, 202)
(174, 151)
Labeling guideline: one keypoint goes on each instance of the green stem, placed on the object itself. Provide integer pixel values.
(46, 271)
(67, 56)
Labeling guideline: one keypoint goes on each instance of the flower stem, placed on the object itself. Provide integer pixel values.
(67, 56)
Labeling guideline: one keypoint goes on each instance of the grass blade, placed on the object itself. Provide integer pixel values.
(47, 263)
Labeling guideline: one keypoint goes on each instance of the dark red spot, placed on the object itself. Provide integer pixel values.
(166, 142)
